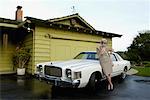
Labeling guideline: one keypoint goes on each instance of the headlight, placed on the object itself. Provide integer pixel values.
(77, 75)
(39, 68)
(68, 73)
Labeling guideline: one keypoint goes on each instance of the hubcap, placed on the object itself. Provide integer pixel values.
(123, 75)
(95, 80)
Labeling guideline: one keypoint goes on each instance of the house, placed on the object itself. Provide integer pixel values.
(53, 39)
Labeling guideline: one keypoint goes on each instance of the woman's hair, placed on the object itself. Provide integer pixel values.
(103, 42)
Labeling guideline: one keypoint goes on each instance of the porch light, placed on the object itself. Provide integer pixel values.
(90, 31)
(28, 29)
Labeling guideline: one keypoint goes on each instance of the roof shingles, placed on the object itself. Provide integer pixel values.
(9, 21)
(51, 23)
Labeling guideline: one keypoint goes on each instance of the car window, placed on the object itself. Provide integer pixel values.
(87, 55)
(118, 56)
(96, 56)
(113, 57)
(81, 56)
(92, 56)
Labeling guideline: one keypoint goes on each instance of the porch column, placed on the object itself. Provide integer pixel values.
(5, 40)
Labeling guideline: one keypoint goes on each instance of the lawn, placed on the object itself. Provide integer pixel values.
(143, 71)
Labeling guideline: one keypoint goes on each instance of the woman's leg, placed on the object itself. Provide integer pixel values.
(110, 85)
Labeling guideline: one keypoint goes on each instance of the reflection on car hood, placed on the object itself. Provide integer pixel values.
(74, 63)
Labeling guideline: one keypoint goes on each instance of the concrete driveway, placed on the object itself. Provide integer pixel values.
(15, 87)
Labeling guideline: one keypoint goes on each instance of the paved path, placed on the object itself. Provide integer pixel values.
(7, 72)
(132, 71)
(14, 87)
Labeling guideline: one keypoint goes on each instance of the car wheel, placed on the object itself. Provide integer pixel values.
(94, 82)
(123, 75)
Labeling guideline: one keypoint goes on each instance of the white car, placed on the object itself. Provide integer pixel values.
(84, 70)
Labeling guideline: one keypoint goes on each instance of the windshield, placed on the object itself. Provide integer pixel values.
(87, 55)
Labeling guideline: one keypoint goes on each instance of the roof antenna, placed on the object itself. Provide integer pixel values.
(73, 9)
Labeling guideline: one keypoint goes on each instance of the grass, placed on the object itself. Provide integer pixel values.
(143, 71)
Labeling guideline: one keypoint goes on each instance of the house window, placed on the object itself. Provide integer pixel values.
(5, 40)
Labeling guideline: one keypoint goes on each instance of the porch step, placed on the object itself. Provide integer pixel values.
(7, 72)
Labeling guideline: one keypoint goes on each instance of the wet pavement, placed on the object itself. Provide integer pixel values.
(17, 87)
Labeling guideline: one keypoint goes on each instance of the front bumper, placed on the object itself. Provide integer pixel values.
(58, 82)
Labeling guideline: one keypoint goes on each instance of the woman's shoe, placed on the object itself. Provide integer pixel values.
(109, 87)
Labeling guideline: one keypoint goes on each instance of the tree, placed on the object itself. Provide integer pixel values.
(140, 48)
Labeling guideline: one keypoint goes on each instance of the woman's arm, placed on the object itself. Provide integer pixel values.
(111, 59)
(98, 51)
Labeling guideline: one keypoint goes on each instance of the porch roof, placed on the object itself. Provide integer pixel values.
(8, 23)
(4, 22)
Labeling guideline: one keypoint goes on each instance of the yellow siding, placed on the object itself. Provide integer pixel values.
(6, 63)
(74, 35)
(41, 47)
(66, 49)
(28, 41)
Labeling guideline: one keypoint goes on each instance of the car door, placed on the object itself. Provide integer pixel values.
(116, 67)
(121, 62)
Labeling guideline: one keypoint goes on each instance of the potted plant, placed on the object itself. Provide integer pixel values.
(21, 58)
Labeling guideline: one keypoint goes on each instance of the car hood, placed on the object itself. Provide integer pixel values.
(75, 63)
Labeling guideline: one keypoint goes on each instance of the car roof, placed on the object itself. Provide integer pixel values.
(88, 52)
(93, 52)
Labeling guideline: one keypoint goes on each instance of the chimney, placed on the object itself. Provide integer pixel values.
(19, 13)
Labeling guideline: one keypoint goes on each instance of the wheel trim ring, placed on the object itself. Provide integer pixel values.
(124, 75)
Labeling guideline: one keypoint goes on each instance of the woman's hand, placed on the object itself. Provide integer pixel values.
(102, 51)
(112, 65)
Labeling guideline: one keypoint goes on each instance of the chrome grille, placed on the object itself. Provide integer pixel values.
(53, 71)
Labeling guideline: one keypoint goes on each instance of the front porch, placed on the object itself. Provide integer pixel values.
(10, 37)
(7, 72)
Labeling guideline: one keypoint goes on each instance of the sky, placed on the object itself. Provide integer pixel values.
(125, 17)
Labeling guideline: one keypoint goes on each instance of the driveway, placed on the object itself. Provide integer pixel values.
(15, 87)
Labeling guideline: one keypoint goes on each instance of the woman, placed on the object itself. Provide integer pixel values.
(105, 61)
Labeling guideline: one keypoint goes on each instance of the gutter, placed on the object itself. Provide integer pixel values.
(8, 25)
(11, 25)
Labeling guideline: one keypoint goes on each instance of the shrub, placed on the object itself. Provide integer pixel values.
(21, 56)
(147, 65)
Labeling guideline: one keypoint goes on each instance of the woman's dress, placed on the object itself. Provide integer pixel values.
(105, 62)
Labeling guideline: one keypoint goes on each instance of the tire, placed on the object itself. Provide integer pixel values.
(123, 75)
(94, 82)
